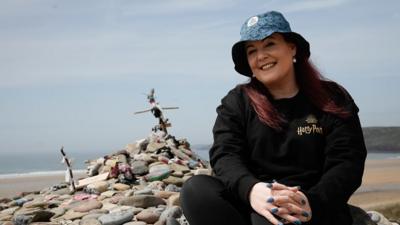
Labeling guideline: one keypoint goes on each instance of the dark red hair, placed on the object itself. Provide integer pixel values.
(309, 80)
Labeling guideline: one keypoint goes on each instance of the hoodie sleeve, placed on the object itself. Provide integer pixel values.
(345, 154)
(227, 155)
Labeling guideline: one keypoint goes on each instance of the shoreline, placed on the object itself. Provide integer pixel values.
(380, 186)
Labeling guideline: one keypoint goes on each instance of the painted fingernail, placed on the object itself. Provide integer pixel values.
(297, 222)
(274, 181)
(280, 223)
(305, 214)
(270, 200)
(298, 187)
(269, 185)
(303, 202)
(274, 210)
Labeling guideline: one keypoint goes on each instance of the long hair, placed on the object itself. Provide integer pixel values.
(309, 80)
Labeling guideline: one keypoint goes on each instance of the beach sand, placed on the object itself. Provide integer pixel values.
(11, 186)
(381, 184)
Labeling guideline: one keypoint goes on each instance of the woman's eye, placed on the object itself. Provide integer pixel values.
(268, 44)
(249, 52)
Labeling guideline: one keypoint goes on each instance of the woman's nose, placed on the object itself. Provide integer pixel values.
(261, 54)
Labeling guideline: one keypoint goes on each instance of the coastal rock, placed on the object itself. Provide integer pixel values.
(97, 187)
(116, 218)
(142, 201)
(156, 185)
(88, 205)
(172, 188)
(174, 200)
(154, 146)
(148, 215)
(136, 223)
(159, 167)
(378, 218)
(121, 187)
(139, 167)
(174, 212)
(72, 215)
(9, 211)
(173, 180)
(145, 191)
(172, 221)
(164, 194)
(90, 221)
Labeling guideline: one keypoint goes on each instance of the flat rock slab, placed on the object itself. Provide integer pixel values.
(116, 218)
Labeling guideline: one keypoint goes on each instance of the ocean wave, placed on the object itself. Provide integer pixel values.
(37, 174)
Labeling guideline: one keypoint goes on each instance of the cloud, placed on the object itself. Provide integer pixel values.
(311, 5)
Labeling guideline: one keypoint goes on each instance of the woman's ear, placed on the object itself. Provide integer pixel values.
(293, 47)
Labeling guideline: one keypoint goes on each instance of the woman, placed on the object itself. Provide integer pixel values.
(288, 145)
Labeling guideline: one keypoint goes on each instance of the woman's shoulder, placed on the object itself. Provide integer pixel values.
(340, 96)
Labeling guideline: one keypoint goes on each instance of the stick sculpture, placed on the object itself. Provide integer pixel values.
(157, 111)
(69, 170)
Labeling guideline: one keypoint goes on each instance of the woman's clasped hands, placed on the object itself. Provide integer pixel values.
(288, 204)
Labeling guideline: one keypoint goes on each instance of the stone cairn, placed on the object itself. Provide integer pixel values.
(138, 185)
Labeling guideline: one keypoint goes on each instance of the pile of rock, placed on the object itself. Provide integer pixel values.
(138, 185)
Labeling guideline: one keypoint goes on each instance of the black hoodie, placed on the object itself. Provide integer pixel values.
(320, 152)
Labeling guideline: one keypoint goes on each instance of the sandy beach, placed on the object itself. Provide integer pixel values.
(381, 184)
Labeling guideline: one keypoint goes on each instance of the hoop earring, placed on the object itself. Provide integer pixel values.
(294, 60)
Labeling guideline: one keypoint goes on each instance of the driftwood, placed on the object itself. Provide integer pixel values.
(82, 183)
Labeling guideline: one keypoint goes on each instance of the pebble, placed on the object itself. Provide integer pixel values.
(142, 201)
(72, 215)
(172, 221)
(90, 221)
(148, 215)
(172, 188)
(164, 194)
(98, 187)
(121, 187)
(139, 167)
(88, 205)
(174, 200)
(173, 180)
(145, 191)
(116, 218)
(136, 223)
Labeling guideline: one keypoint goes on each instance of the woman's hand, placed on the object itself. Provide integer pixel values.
(261, 201)
(292, 204)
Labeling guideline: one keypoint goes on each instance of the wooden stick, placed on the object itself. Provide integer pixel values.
(71, 180)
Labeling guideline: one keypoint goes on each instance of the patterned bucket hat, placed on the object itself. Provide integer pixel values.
(259, 27)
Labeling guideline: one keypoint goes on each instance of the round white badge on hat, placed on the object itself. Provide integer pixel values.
(252, 21)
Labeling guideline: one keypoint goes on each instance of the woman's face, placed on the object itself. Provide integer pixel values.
(271, 60)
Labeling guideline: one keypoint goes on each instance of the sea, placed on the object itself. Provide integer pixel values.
(15, 164)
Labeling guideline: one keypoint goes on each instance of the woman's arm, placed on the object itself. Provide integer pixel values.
(227, 155)
(345, 155)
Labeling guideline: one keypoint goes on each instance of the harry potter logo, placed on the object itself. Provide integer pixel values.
(311, 128)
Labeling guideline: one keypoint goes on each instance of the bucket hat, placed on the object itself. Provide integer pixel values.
(260, 27)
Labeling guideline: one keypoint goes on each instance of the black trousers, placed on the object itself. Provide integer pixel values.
(205, 200)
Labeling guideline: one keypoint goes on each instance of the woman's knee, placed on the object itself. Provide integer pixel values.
(201, 187)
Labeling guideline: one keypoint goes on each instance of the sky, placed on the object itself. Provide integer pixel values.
(73, 72)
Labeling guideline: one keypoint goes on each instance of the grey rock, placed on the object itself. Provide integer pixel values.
(172, 187)
(142, 201)
(148, 215)
(159, 168)
(174, 212)
(172, 221)
(90, 221)
(87, 205)
(139, 167)
(116, 218)
(92, 216)
(34, 216)
(145, 191)
(136, 223)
